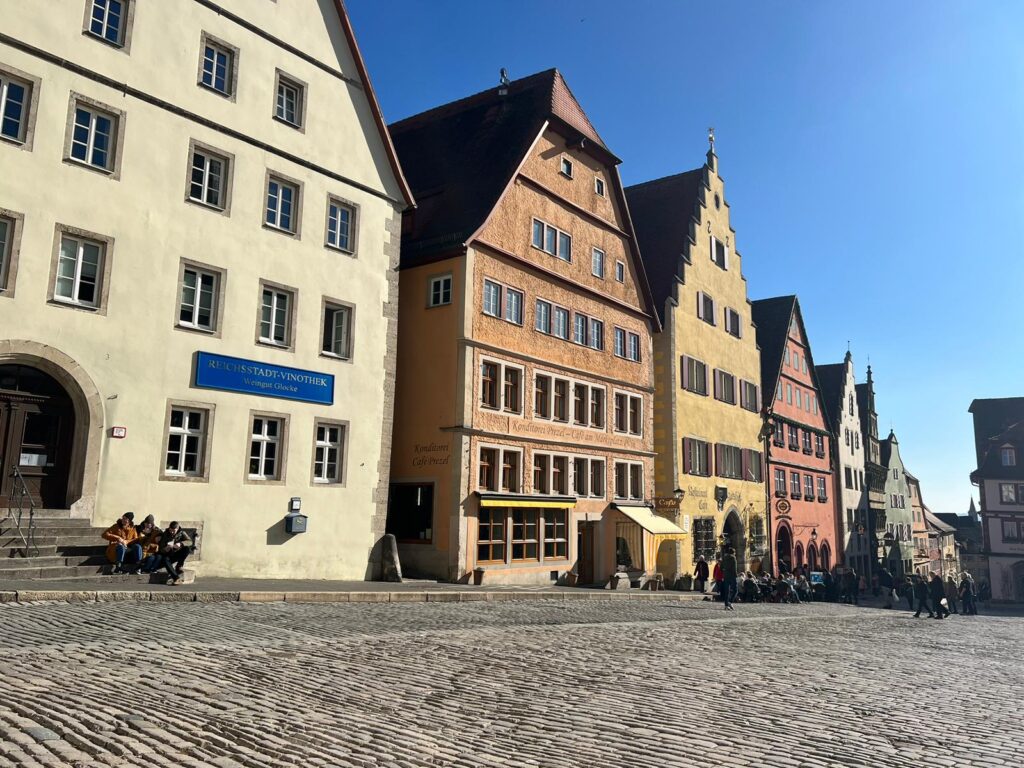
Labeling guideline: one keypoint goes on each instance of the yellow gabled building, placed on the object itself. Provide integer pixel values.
(707, 423)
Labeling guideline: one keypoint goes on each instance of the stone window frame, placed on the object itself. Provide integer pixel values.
(127, 23)
(221, 293)
(106, 265)
(297, 205)
(282, 443)
(32, 109)
(346, 427)
(120, 118)
(204, 38)
(229, 176)
(333, 303)
(302, 87)
(353, 235)
(195, 405)
(9, 274)
(630, 396)
(289, 346)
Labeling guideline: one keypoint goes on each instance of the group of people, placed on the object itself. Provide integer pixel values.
(147, 549)
(939, 597)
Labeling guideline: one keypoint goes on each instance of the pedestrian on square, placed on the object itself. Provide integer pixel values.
(937, 592)
(885, 581)
(920, 590)
(850, 586)
(951, 593)
(829, 585)
(967, 595)
(729, 570)
(123, 550)
(908, 592)
(716, 577)
(700, 573)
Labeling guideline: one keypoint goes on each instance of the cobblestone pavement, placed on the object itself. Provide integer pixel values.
(546, 684)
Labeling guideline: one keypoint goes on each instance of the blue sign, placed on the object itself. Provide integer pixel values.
(255, 378)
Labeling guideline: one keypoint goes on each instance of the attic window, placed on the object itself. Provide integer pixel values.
(718, 201)
(599, 185)
(566, 167)
(1008, 454)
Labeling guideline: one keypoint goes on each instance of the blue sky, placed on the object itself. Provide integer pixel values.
(872, 153)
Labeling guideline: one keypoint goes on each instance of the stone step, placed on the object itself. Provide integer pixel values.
(48, 523)
(47, 540)
(52, 561)
(100, 579)
(11, 552)
(56, 572)
(43, 513)
(54, 531)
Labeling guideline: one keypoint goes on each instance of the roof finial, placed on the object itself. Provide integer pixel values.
(711, 139)
(503, 83)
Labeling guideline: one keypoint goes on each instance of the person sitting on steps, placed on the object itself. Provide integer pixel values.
(149, 540)
(124, 550)
(175, 546)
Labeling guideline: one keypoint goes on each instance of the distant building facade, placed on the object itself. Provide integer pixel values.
(897, 534)
(999, 448)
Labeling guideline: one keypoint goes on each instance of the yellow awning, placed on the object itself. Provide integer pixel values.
(661, 527)
(540, 503)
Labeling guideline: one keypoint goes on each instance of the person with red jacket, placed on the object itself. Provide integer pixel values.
(717, 576)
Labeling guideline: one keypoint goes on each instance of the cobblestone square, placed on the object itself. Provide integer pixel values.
(541, 683)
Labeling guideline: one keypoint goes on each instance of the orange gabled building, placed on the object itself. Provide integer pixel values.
(800, 473)
(523, 446)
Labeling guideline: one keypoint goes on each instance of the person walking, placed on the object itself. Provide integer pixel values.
(920, 592)
(716, 577)
(937, 592)
(908, 592)
(967, 595)
(729, 569)
(951, 593)
(885, 582)
(700, 574)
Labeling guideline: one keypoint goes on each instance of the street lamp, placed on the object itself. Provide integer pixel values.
(678, 494)
(814, 534)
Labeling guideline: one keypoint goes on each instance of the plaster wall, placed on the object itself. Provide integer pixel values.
(132, 348)
(850, 451)
(896, 484)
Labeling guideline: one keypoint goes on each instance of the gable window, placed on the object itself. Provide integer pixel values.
(276, 317)
(199, 293)
(596, 334)
(565, 167)
(208, 179)
(552, 240)
(282, 205)
(748, 396)
(217, 67)
(633, 347)
(289, 104)
(440, 291)
(93, 137)
(337, 331)
(599, 185)
(706, 308)
(694, 375)
(1008, 456)
(14, 107)
(329, 453)
(725, 387)
(542, 316)
(787, 356)
(789, 393)
(107, 20)
(778, 392)
(492, 299)
(597, 263)
(620, 271)
(265, 448)
(341, 221)
(696, 457)
(79, 271)
(719, 253)
(186, 442)
(732, 323)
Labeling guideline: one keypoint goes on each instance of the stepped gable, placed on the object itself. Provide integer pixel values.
(460, 157)
(772, 318)
(663, 212)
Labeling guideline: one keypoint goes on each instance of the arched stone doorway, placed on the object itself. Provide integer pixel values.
(734, 536)
(826, 557)
(812, 557)
(784, 547)
(55, 372)
(798, 555)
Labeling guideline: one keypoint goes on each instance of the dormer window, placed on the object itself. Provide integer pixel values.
(1008, 454)
(565, 167)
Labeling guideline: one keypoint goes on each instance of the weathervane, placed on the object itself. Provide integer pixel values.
(711, 138)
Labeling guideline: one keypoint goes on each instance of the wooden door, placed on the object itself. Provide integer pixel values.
(585, 553)
(37, 434)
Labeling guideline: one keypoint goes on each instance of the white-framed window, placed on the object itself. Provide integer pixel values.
(628, 414)
(588, 405)
(620, 342)
(94, 137)
(514, 306)
(1007, 493)
(6, 248)
(440, 291)
(542, 316)
(107, 20)
(725, 387)
(217, 71)
(186, 442)
(597, 263)
(79, 271)
(565, 166)
(789, 393)
(581, 329)
(794, 484)
(732, 323)
(329, 453)
(208, 180)
(596, 334)
(288, 103)
(693, 375)
(265, 448)
(551, 240)
(749, 396)
(275, 316)
(629, 480)
(633, 347)
(560, 323)
(337, 331)
(15, 100)
(588, 477)
(197, 307)
(778, 391)
(499, 469)
(706, 308)
(1008, 456)
(719, 253)
(696, 457)
(620, 271)
(728, 461)
(341, 222)
(808, 485)
(492, 298)
(822, 493)
(282, 205)
(501, 386)
(599, 186)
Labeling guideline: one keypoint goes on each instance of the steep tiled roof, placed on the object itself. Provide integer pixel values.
(460, 157)
(831, 379)
(996, 421)
(662, 212)
(935, 522)
(772, 318)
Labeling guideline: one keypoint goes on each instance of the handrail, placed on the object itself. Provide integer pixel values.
(17, 513)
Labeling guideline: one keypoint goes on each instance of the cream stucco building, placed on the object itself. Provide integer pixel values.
(199, 215)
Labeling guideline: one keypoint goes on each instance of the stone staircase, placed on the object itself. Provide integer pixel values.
(66, 549)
